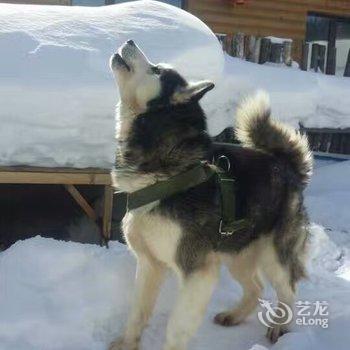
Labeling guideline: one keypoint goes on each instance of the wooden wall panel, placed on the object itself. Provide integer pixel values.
(38, 2)
(281, 18)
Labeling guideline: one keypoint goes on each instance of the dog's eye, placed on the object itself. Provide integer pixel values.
(155, 70)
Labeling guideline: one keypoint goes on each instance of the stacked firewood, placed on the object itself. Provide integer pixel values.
(315, 56)
(258, 50)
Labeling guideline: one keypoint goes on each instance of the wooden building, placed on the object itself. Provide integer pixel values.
(280, 18)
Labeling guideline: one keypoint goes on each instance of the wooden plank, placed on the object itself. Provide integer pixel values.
(276, 53)
(318, 4)
(265, 50)
(253, 6)
(297, 49)
(342, 143)
(107, 212)
(22, 168)
(262, 31)
(335, 143)
(30, 177)
(332, 50)
(39, 2)
(304, 56)
(255, 11)
(250, 47)
(327, 130)
(256, 54)
(90, 212)
(331, 60)
(287, 53)
(314, 5)
(314, 57)
(347, 67)
(247, 47)
(251, 21)
(238, 45)
(321, 57)
(332, 155)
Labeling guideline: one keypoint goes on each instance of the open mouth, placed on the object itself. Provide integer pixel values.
(119, 61)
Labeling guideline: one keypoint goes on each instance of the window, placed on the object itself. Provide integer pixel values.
(333, 32)
(177, 3)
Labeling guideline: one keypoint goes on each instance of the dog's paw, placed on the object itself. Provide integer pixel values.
(276, 331)
(227, 319)
(120, 344)
(117, 344)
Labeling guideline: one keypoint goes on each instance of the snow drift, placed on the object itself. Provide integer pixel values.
(315, 99)
(57, 95)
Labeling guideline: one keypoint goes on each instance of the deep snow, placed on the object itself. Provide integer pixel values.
(57, 94)
(69, 296)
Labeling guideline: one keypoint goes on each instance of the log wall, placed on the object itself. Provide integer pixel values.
(281, 18)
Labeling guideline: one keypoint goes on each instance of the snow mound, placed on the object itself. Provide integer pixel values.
(315, 99)
(57, 94)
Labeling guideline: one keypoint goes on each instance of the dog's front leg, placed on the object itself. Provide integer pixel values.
(149, 276)
(195, 292)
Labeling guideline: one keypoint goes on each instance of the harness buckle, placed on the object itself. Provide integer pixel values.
(226, 161)
(224, 233)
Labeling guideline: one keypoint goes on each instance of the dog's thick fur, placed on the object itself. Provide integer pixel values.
(162, 131)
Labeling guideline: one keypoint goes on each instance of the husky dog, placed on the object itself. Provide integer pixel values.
(161, 132)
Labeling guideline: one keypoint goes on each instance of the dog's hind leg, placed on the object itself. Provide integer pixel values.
(280, 278)
(243, 268)
(195, 292)
(149, 276)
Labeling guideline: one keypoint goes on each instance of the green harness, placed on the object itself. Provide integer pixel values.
(197, 175)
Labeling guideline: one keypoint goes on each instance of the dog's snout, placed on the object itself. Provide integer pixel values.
(131, 42)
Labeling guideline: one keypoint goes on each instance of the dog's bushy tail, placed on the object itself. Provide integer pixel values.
(256, 129)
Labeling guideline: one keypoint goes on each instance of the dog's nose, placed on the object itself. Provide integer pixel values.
(130, 42)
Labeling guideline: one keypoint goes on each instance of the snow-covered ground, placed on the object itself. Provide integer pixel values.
(69, 296)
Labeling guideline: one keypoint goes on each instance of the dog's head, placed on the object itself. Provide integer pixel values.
(144, 85)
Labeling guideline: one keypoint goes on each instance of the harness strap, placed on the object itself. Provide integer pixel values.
(228, 224)
(191, 178)
(176, 184)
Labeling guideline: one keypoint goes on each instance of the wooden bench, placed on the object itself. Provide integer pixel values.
(326, 140)
(69, 178)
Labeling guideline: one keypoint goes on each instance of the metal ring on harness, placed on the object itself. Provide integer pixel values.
(228, 164)
(224, 233)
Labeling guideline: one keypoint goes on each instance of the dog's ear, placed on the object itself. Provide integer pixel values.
(192, 92)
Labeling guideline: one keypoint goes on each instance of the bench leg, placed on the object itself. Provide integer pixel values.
(89, 211)
(107, 212)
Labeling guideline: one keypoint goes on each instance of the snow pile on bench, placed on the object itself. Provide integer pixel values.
(57, 94)
(315, 99)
